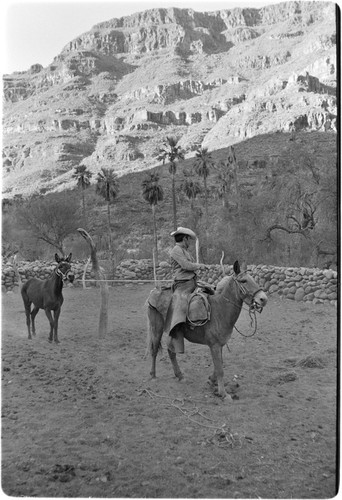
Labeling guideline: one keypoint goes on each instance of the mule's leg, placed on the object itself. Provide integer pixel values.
(216, 353)
(55, 320)
(175, 366)
(154, 335)
(28, 319)
(33, 316)
(213, 378)
(50, 318)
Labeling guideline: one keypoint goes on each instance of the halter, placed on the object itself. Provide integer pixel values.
(252, 309)
(61, 274)
(254, 305)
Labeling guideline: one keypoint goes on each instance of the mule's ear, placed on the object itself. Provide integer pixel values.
(237, 267)
(68, 259)
(57, 259)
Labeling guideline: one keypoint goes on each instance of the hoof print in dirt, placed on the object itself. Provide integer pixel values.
(63, 473)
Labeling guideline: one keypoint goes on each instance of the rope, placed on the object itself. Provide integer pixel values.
(126, 281)
(222, 435)
(255, 327)
(245, 309)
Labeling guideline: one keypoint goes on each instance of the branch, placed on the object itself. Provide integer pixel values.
(50, 242)
(295, 220)
(283, 228)
(93, 256)
(221, 263)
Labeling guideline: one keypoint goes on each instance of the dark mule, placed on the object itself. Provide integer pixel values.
(47, 295)
(226, 304)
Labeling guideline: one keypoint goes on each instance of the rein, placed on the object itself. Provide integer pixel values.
(251, 309)
(255, 325)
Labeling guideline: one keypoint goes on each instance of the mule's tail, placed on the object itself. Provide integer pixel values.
(155, 326)
(25, 297)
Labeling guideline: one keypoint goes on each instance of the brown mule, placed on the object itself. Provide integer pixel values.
(47, 295)
(226, 304)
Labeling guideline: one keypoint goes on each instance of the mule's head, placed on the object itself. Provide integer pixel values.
(249, 290)
(64, 268)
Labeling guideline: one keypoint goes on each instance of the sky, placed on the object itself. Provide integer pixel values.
(36, 32)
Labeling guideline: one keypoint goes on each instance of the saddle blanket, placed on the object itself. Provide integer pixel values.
(196, 306)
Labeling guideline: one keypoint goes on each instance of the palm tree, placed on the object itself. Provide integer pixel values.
(108, 187)
(82, 176)
(191, 188)
(233, 166)
(202, 164)
(172, 153)
(225, 178)
(152, 192)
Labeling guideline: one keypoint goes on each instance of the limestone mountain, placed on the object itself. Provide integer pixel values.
(216, 78)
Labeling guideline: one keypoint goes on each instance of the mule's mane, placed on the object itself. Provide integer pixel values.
(221, 285)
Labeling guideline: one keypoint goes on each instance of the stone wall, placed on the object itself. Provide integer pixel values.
(297, 283)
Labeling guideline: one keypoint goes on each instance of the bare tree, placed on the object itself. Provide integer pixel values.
(51, 218)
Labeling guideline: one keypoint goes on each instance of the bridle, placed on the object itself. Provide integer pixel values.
(62, 275)
(253, 307)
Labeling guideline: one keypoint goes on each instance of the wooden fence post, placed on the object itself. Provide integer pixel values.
(16, 270)
(85, 272)
(99, 275)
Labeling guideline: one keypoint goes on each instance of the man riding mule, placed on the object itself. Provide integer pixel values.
(225, 306)
(184, 282)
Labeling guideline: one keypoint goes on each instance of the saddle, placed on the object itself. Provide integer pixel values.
(198, 311)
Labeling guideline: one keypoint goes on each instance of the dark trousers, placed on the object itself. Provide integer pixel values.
(176, 314)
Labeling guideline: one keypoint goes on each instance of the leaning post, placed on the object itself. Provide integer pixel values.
(16, 270)
(197, 250)
(85, 272)
(99, 275)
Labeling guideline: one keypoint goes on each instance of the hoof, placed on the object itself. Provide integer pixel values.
(180, 376)
(225, 396)
(227, 399)
(211, 381)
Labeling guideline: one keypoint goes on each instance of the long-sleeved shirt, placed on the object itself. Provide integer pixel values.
(182, 263)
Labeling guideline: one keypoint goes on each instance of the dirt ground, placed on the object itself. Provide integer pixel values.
(83, 419)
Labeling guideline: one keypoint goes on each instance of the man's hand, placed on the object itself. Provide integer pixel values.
(203, 266)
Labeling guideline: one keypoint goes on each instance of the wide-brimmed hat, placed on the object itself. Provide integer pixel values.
(184, 230)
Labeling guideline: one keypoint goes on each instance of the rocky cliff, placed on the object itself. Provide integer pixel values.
(216, 78)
